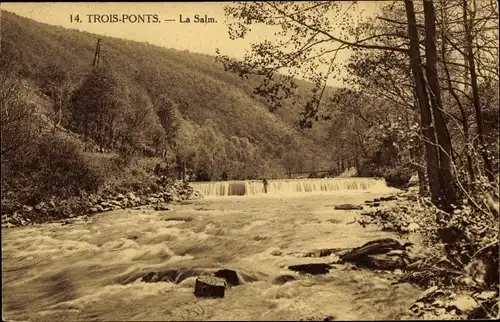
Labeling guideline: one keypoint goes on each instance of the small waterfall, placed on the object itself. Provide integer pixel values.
(287, 187)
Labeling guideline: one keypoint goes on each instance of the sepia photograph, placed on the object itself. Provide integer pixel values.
(250, 161)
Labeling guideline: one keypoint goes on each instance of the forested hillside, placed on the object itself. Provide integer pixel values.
(159, 101)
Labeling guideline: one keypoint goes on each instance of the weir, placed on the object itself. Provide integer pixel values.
(287, 186)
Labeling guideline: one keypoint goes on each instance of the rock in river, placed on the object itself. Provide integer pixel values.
(382, 262)
(229, 275)
(379, 246)
(161, 207)
(282, 279)
(313, 269)
(207, 286)
(348, 207)
(375, 255)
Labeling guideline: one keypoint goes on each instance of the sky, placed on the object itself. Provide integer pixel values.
(199, 38)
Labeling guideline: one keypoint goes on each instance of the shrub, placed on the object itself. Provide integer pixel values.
(60, 169)
(397, 177)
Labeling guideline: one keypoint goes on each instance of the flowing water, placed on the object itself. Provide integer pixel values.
(92, 270)
(289, 187)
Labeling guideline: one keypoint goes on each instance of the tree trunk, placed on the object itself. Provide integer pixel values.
(446, 177)
(463, 112)
(416, 155)
(432, 160)
(357, 163)
(475, 92)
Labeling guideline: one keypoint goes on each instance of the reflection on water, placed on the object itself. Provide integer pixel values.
(93, 271)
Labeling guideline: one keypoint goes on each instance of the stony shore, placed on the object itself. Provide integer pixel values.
(164, 192)
(448, 293)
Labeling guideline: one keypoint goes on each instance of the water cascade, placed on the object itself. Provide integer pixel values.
(287, 187)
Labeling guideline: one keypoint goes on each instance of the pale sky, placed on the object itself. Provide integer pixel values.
(199, 38)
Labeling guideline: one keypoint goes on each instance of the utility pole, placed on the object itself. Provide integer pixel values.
(97, 53)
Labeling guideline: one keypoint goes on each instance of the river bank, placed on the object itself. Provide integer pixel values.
(160, 194)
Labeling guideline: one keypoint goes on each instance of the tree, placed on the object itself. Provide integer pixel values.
(56, 84)
(142, 128)
(447, 183)
(311, 35)
(18, 119)
(170, 119)
(470, 62)
(185, 148)
(98, 107)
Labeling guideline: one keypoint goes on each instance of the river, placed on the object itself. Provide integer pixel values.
(91, 270)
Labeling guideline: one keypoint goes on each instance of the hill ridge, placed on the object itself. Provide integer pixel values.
(198, 85)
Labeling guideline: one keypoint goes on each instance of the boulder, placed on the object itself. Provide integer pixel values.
(41, 206)
(487, 295)
(348, 207)
(411, 198)
(282, 279)
(388, 226)
(98, 208)
(382, 262)
(106, 204)
(152, 200)
(323, 252)
(379, 246)
(396, 252)
(208, 286)
(439, 303)
(115, 203)
(196, 195)
(163, 276)
(430, 294)
(161, 207)
(131, 195)
(129, 203)
(413, 226)
(27, 208)
(313, 269)
(463, 304)
(484, 309)
(229, 275)
(417, 307)
(414, 181)
(277, 253)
